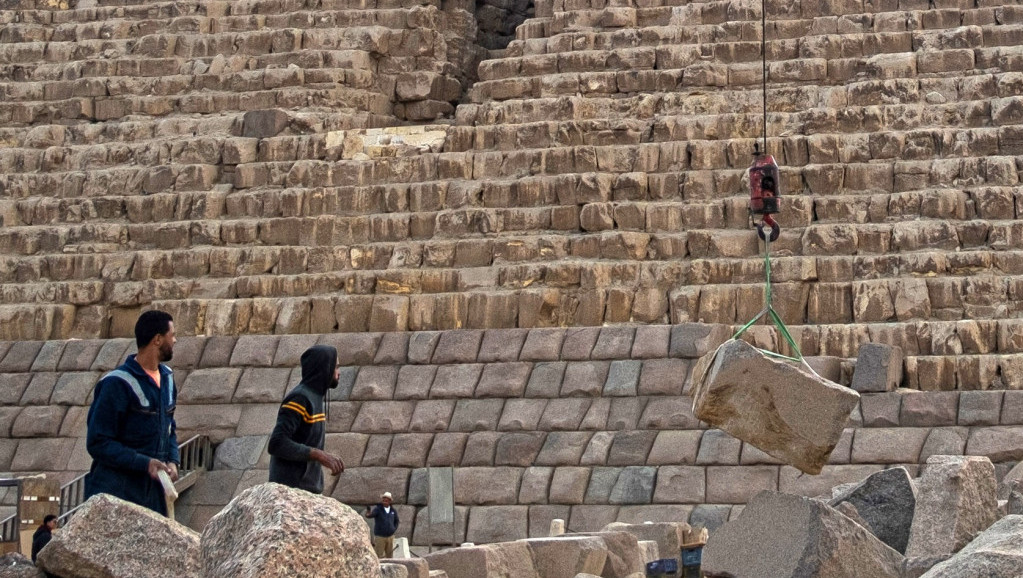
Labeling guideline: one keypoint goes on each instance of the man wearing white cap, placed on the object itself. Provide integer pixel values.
(385, 525)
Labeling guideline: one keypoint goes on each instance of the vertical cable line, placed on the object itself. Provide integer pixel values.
(763, 55)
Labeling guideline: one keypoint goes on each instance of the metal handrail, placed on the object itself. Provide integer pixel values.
(195, 454)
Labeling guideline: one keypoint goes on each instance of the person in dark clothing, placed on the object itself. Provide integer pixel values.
(43, 534)
(296, 444)
(131, 434)
(385, 524)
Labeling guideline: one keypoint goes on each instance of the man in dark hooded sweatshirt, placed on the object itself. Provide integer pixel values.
(296, 444)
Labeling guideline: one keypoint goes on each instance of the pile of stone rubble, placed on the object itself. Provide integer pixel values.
(949, 522)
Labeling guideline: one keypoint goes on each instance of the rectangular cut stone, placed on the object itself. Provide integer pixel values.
(441, 495)
(878, 368)
(773, 405)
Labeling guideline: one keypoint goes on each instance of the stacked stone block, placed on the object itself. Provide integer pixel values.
(590, 425)
(593, 177)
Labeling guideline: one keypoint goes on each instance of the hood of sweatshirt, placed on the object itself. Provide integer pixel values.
(318, 364)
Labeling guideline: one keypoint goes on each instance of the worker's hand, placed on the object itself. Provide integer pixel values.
(173, 471)
(331, 462)
(156, 466)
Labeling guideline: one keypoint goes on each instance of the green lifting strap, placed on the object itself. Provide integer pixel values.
(773, 315)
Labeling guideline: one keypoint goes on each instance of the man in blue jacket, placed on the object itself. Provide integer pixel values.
(296, 444)
(131, 434)
(384, 527)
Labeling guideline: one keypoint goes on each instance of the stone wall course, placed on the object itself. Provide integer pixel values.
(20, 356)
(342, 416)
(635, 485)
(518, 449)
(393, 349)
(456, 380)
(447, 449)
(521, 414)
(540, 518)
(563, 449)
(630, 447)
(614, 343)
(1001, 443)
(74, 388)
(718, 448)
(563, 414)
(590, 518)
(545, 379)
(579, 342)
(39, 389)
(662, 377)
(378, 450)
(421, 346)
(669, 413)
(347, 446)
(12, 387)
(933, 409)
(486, 486)
(622, 378)
(217, 351)
(476, 415)
(1012, 408)
(584, 379)
(115, 351)
(383, 416)
(602, 481)
(362, 486)
(480, 448)
(409, 450)
(489, 524)
(215, 385)
(503, 379)
(353, 348)
(49, 356)
(542, 344)
(502, 345)
(457, 347)
(944, 441)
(254, 351)
(290, 348)
(888, 445)
(881, 409)
(375, 382)
(79, 355)
(597, 415)
(651, 342)
(535, 485)
(414, 381)
(262, 385)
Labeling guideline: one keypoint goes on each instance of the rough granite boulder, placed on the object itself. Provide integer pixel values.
(780, 535)
(393, 571)
(884, 504)
(776, 406)
(16, 565)
(272, 530)
(956, 500)
(566, 556)
(995, 553)
(105, 538)
(502, 560)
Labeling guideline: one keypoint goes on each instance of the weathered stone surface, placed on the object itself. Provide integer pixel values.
(624, 556)
(414, 567)
(241, 453)
(878, 368)
(105, 537)
(566, 556)
(781, 535)
(997, 552)
(388, 570)
(16, 565)
(511, 560)
(272, 530)
(773, 405)
(668, 536)
(956, 500)
(490, 524)
(884, 504)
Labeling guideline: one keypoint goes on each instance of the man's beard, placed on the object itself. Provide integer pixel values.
(166, 353)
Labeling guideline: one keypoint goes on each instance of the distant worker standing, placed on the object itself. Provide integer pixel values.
(384, 526)
(131, 433)
(43, 535)
(296, 444)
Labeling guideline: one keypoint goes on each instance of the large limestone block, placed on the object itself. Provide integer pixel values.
(774, 405)
(884, 504)
(566, 556)
(956, 500)
(624, 556)
(272, 530)
(780, 535)
(504, 560)
(995, 553)
(106, 539)
(668, 536)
